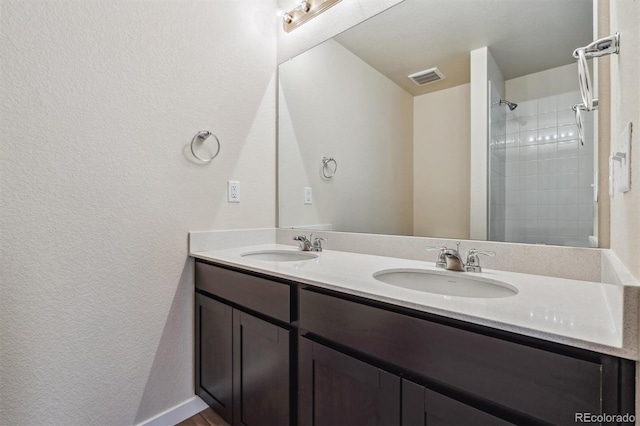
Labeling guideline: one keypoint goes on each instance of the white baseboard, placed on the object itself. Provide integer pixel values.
(175, 415)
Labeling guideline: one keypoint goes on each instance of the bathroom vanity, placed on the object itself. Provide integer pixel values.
(280, 342)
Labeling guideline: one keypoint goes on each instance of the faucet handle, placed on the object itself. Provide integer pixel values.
(316, 245)
(473, 261)
(441, 262)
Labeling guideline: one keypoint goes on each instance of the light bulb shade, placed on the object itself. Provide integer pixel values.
(304, 11)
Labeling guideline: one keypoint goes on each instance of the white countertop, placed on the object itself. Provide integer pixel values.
(571, 312)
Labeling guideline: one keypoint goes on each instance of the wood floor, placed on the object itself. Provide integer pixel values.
(207, 417)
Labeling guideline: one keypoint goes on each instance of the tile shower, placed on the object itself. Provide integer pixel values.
(540, 175)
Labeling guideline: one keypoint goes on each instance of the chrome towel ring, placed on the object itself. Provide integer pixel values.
(202, 136)
(325, 167)
(578, 109)
(584, 80)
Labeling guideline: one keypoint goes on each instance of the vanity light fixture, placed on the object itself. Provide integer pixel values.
(304, 11)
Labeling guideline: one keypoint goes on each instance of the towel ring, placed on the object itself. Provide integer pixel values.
(325, 166)
(584, 80)
(202, 136)
(578, 109)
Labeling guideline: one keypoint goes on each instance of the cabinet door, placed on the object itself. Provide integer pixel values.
(336, 389)
(422, 407)
(213, 354)
(261, 379)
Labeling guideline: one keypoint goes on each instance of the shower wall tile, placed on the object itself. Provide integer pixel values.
(528, 138)
(547, 196)
(568, 148)
(549, 119)
(585, 213)
(528, 124)
(512, 139)
(513, 126)
(527, 108)
(568, 165)
(529, 153)
(566, 116)
(547, 165)
(567, 132)
(569, 98)
(548, 104)
(547, 135)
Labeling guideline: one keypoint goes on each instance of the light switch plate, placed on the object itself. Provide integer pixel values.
(623, 181)
(308, 195)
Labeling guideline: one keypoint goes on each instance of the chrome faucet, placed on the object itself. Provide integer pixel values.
(303, 242)
(309, 244)
(451, 259)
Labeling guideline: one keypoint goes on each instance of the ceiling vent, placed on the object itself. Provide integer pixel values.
(427, 76)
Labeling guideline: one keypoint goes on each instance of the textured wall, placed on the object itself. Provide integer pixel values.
(97, 103)
(334, 104)
(441, 131)
(625, 107)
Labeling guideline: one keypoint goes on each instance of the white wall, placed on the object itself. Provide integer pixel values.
(333, 21)
(98, 101)
(483, 70)
(441, 150)
(625, 107)
(333, 104)
(542, 84)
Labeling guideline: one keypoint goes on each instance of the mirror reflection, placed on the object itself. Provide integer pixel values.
(443, 118)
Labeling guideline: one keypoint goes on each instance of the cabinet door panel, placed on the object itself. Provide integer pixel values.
(261, 375)
(534, 382)
(214, 354)
(336, 389)
(424, 407)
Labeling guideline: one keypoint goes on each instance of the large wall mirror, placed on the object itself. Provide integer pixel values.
(487, 149)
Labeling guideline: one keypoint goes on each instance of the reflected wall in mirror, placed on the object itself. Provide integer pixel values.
(488, 151)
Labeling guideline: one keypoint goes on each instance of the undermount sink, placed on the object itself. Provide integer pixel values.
(280, 255)
(427, 281)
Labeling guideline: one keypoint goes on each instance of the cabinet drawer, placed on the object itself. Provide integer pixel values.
(424, 407)
(267, 297)
(538, 383)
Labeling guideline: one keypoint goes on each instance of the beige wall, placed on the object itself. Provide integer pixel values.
(333, 104)
(441, 154)
(625, 107)
(98, 101)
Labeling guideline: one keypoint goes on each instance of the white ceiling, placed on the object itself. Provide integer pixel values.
(524, 36)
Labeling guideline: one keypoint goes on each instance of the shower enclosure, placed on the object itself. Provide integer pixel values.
(541, 177)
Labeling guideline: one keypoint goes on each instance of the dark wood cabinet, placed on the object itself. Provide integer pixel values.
(533, 382)
(425, 407)
(214, 354)
(275, 352)
(339, 390)
(243, 368)
(261, 372)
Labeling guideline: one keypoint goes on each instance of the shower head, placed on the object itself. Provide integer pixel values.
(511, 105)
